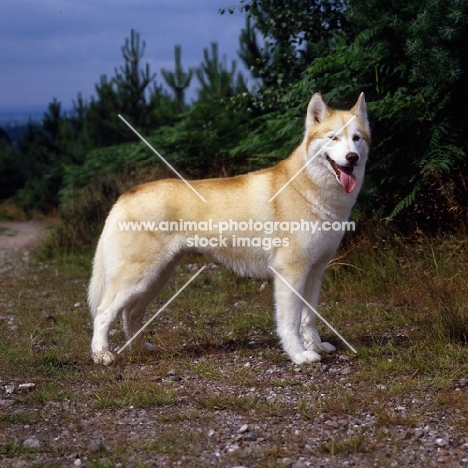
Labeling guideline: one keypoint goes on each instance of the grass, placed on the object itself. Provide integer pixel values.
(218, 366)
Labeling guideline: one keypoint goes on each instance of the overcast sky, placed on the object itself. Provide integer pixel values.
(56, 48)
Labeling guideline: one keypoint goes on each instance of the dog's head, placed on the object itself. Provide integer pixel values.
(338, 141)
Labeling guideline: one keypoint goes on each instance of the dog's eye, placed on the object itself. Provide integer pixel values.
(356, 138)
(334, 138)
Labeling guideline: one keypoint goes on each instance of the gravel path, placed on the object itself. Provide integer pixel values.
(17, 240)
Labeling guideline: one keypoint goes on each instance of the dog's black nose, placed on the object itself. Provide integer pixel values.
(352, 158)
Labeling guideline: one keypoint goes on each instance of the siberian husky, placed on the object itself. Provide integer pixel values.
(317, 184)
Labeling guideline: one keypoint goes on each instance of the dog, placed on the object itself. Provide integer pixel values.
(318, 183)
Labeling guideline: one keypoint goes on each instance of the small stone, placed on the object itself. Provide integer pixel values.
(249, 437)
(171, 373)
(95, 446)
(418, 433)
(441, 442)
(27, 386)
(298, 464)
(9, 389)
(346, 371)
(241, 304)
(243, 429)
(77, 304)
(118, 376)
(444, 453)
(464, 461)
(78, 462)
(211, 433)
(6, 402)
(406, 435)
(286, 461)
(32, 442)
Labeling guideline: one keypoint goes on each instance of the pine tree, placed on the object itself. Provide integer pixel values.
(131, 82)
(178, 80)
(216, 79)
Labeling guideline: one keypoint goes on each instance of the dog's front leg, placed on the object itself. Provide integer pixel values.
(288, 318)
(309, 332)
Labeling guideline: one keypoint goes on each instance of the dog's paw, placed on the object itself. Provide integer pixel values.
(104, 357)
(305, 357)
(149, 348)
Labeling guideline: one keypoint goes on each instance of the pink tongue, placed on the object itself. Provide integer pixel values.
(347, 178)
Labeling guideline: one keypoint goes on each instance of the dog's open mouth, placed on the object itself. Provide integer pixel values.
(344, 175)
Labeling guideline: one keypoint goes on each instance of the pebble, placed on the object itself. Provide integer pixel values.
(9, 389)
(243, 428)
(241, 304)
(27, 386)
(298, 464)
(249, 437)
(441, 442)
(78, 462)
(32, 442)
(6, 402)
(95, 445)
(418, 433)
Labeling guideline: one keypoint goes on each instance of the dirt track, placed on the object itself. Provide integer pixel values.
(17, 239)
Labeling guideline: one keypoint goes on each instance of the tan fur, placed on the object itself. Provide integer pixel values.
(131, 267)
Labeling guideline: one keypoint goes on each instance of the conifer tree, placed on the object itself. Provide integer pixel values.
(132, 82)
(216, 78)
(178, 80)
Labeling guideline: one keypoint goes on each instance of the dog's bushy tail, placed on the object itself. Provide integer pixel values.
(97, 282)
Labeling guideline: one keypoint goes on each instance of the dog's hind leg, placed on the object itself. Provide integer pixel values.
(309, 332)
(133, 317)
(128, 293)
(116, 300)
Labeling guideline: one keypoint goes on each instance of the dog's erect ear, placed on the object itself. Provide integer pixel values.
(316, 111)
(360, 110)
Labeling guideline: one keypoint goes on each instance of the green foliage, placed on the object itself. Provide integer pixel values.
(49, 155)
(411, 60)
(132, 82)
(178, 80)
(11, 174)
(292, 37)
(217, 80)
